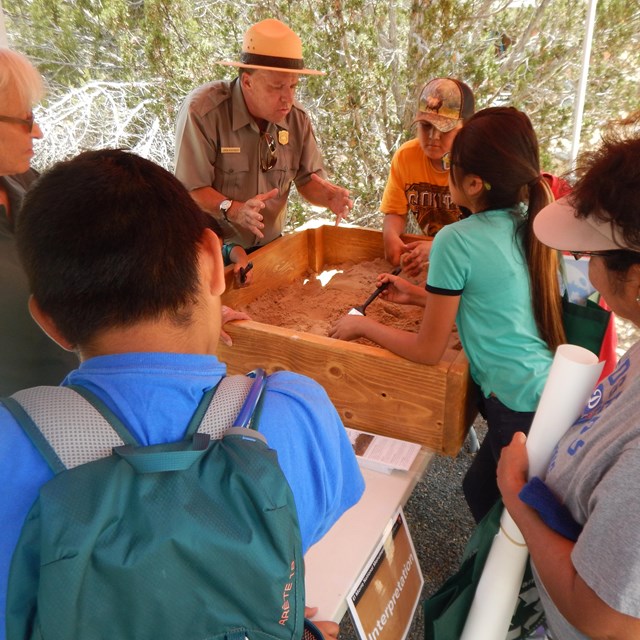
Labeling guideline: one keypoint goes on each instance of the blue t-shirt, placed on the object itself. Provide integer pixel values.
(155, 395)
(481, 260)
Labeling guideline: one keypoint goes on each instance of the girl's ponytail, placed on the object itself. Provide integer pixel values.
(543, 266)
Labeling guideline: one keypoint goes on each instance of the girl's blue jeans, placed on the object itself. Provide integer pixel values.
(479, 485)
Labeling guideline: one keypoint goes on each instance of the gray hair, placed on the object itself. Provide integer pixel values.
(19, 75)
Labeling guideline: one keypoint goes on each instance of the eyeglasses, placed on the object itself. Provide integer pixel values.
(268, 155)
(27, 122)
(587, 254)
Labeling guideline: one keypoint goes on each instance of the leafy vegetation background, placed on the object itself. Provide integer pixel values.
(119, 69)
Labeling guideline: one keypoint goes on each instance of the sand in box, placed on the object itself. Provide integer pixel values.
(315, 302)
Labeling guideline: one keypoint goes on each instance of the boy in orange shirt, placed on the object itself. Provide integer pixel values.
(418, 181)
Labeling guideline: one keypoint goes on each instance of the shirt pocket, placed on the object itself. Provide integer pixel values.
(232, 172)
(286, 168)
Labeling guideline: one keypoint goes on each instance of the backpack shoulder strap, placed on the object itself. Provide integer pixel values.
(234, 404)
(71, 426)
(66, 428)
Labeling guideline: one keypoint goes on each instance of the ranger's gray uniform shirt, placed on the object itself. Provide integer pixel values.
(217, 145)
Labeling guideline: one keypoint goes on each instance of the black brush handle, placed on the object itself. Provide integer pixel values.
(378, 291)
(244, 271)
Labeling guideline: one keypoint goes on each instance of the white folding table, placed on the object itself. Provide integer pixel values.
(334, 563)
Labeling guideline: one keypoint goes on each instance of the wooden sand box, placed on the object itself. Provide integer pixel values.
(372, 389)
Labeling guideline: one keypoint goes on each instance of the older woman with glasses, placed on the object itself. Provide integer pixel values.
(27, 356)
(590, 585)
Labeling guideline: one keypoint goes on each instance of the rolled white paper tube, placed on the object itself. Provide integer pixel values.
(572, 377)
(497, 593)
(510, 527)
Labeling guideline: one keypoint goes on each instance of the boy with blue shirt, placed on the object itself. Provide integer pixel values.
(131, 282)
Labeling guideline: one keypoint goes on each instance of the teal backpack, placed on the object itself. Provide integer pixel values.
(197, 539)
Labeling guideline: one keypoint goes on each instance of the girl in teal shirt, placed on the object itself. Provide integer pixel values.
(489, 275)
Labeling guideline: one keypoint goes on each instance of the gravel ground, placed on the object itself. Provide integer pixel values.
(438, 516)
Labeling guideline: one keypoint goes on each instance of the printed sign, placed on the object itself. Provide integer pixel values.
(386, 594)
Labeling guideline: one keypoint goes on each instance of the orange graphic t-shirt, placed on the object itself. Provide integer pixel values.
(414, 186)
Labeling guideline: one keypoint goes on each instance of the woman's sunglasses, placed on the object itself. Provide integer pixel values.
(587, 254)
(27, 122)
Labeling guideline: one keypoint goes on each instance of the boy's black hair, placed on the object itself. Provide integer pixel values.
(109, 239)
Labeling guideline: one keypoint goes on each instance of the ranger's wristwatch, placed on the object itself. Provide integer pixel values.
(225, 205)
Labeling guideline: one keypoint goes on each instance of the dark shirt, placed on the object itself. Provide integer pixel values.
(28, 357)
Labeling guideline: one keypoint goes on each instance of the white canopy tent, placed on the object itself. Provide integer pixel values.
(582, 85)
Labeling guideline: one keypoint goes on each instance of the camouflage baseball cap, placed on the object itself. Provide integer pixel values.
(445, 103)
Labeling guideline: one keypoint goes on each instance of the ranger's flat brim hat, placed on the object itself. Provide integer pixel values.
(558, 226)
(273, 46)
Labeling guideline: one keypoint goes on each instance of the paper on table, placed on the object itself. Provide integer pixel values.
(572, 377)
(382, 453)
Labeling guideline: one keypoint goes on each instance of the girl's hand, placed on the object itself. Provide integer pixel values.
(415, 258)
(348, 328)
(400, 290)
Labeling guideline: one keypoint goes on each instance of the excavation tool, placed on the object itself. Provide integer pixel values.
(359, 310)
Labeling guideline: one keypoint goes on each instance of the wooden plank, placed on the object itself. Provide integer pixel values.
(372, 389)
(270, 270)
(353, 244)
(458, 415)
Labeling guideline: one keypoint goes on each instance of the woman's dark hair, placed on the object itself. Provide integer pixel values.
(609, 187)
(621, 261)
(499, 145)
(109, 239)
